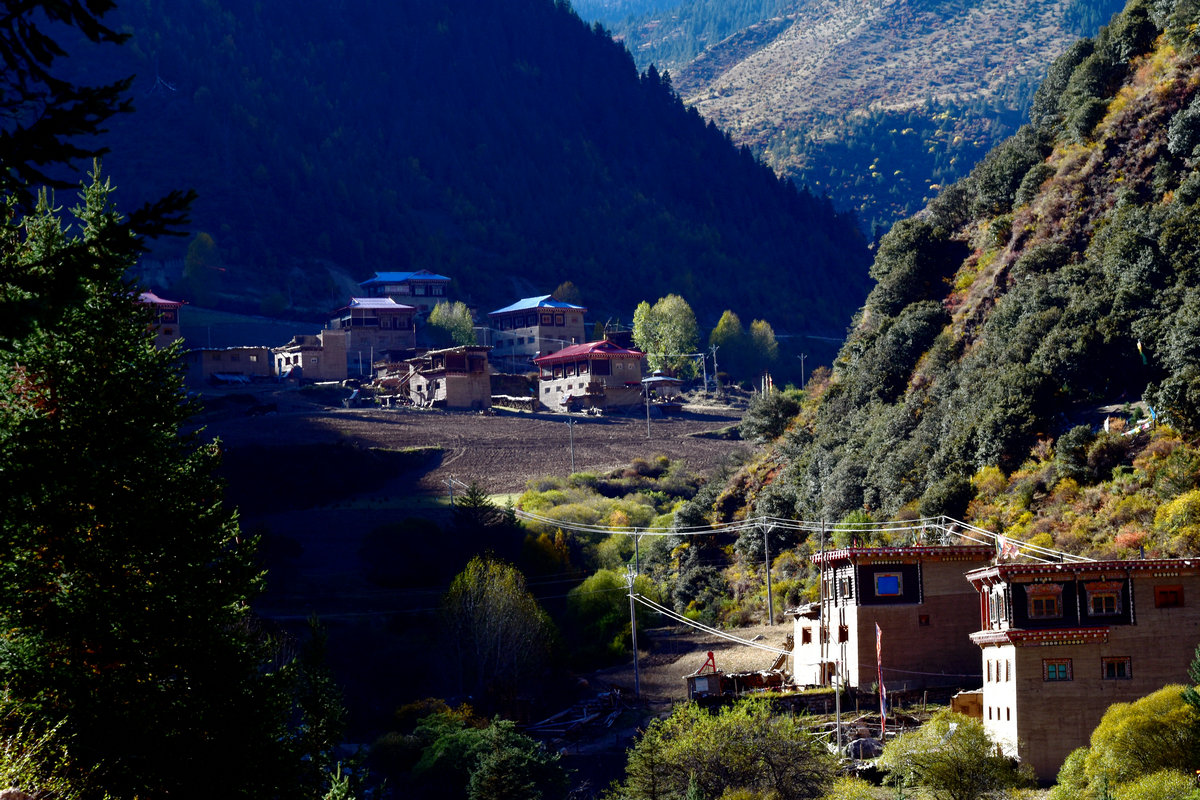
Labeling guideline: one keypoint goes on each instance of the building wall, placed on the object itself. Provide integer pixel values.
(252, 362)
(806, 652)
(928, 644)
(469, 391)
(322, 357)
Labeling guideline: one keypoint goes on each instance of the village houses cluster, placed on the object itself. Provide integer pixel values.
(1052, 645)
(376, 338)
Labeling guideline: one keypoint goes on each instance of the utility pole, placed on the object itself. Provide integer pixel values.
(802, 357)
(704, 369)
(767, 550)
(571, 426)
(837, 693)
(715, 348)
(646, 390)
(637, 681)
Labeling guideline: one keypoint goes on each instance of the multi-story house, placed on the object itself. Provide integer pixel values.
(535, 326)
(593, 375)
(1062, 642)
(914, 602)
(166, 317)
(422, 289)
(376, 327)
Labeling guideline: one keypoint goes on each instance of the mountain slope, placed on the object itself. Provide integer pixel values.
(1060, 278)
(877, 102)
(507, 145)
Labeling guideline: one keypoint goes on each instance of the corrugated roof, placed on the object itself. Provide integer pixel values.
(530, 303)
(377, 303)
(401, 277)
(601, 349)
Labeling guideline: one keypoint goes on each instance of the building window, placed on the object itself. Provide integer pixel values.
(989, 670)
(558, 320)
(1045, 600)
(1103, 604)
(806, 635)
(1168, 596)
(1116, 669)
(253, 358)
(889, 584)
(1056, 669)
(843, 633)
(923, 620)
(547, 319)
(845, 587)
(1104, 598)
(168, 331)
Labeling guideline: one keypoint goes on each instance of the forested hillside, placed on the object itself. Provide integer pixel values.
(507, 145)
(1054, 287)
(877, 104)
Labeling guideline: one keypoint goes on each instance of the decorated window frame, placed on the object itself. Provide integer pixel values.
(1045, 600)
(1103, 598)
(1057, 670)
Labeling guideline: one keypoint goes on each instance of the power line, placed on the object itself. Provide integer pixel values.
(942, 528)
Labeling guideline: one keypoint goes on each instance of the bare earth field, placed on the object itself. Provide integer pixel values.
(501, 452)
(309, 478)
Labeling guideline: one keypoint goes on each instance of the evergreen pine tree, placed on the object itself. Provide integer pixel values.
(125, 627)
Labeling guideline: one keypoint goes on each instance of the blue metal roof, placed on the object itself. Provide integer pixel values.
(401, 277)
(530, 303)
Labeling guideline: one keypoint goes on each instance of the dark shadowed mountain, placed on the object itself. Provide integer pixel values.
(507, 145)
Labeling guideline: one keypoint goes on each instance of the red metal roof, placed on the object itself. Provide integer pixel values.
(577, 352)
(910, 552)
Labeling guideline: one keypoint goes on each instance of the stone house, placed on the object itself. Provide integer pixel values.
(166, 318)
(456, 377)
(319, 357)
(592, 375)
(921, 602)
(532, 327)
(421, 289)
(228, 364)
(376, 328)
(1062, 642)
